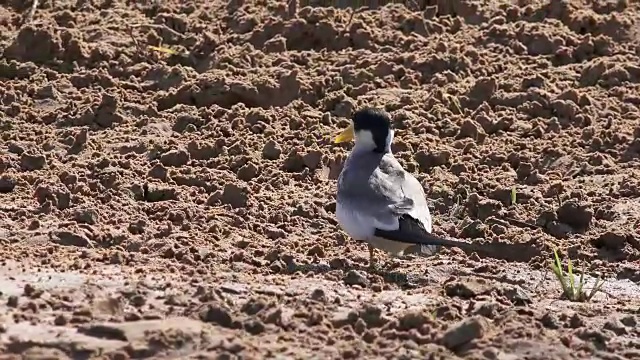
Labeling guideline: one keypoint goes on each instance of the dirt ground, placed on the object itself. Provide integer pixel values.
(180, 203)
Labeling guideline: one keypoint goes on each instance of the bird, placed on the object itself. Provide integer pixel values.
(377, 201)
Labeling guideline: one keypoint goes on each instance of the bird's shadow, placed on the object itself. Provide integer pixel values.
(500, 251)
(399, 278)
(509, 252)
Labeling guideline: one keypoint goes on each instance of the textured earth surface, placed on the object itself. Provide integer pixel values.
(167, 178)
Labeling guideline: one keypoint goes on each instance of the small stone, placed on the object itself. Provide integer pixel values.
(7, 184)
(316, 250)
(611, 240)
(29, 290)
(31, 162)
(475, 229)
(294, 162)
(254, 327)
(247, 172)
(213, 313)
(61, 320)
(271, 151)
(465, 289)
(86, 216)
(235, 196)
(12, 301)
(575, 214)
(616, 326)
(68, 238)
(354, 277)
(319, 295)
(312, 159)
(175, 158)
(464, 332)
(157, 192)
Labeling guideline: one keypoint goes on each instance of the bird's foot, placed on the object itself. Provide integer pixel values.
(374, 266)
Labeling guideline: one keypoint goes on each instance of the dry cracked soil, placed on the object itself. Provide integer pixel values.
(167, 178)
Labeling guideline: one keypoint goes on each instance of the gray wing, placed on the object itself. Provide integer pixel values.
(372, 186)
(393, 200)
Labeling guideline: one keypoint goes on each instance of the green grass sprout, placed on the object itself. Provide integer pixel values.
(571, 290)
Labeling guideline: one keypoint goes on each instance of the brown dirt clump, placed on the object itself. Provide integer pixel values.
(182, 204)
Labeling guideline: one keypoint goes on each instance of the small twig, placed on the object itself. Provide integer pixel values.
(135, 41)
(353, 13)
(521, 223)
(140, 49)
(160, 27)
(32, 11)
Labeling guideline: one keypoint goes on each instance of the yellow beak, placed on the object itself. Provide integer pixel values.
(346, 135)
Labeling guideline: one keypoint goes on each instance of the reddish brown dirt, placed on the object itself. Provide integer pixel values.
(183, 205)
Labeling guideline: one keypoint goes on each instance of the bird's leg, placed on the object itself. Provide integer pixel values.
(372, 257)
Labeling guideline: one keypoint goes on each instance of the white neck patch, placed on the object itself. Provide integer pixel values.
(364, 141)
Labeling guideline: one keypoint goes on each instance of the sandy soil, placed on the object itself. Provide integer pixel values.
(182, 205)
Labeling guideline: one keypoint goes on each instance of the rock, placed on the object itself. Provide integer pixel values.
(294, 162)
(464, 332)
(156, 192)
(466, 289)
(615, 326)
(7, 184)
(158, 171)
(247, 172)
(254, 326)
(214, 313)
(354, 277)
(428, 160)
(276, 44)
(319, 295)
(611, 240)
(68, 238)
(140, 331)
(487, 208)
(312, 159)
(575, 214)
(516, 295)
(78, 345)
(475, 229)
(629, 320)
(559, 230)
(235, 196)
(271, 151)
(413, 319)
(86, 216)
(31, 162)
(469, 129)
(176, 158)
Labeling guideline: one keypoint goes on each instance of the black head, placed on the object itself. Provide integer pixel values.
(377, 122)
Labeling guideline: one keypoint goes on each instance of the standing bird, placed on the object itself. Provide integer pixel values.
(378, 201)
